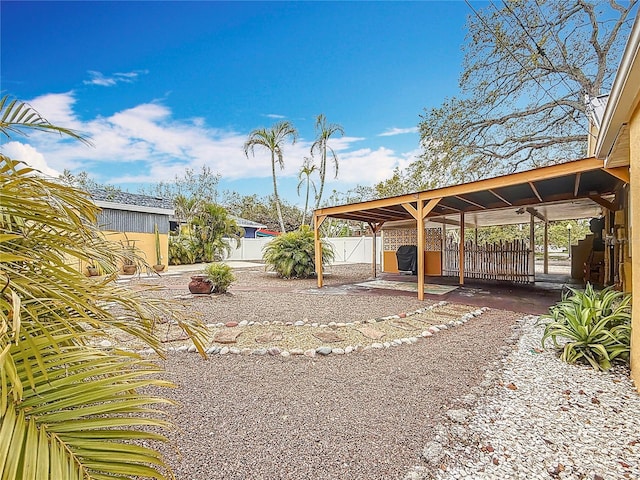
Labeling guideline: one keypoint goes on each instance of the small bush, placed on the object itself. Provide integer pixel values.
(596, 325)
(292, 255)
(221, 276)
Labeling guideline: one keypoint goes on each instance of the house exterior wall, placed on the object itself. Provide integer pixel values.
(145, 243)
(127, 221)
(634, 241)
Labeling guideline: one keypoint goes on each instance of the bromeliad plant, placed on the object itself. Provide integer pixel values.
(69, 410)
(595, 326)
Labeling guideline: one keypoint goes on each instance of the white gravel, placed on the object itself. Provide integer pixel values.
(535, 417)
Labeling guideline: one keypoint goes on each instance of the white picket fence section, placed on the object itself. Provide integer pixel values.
(347, 249)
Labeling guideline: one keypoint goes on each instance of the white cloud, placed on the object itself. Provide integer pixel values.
(398, 131)
(57, 108)
(274, 115)
(98, 78)
(146, 143)
(28, 155)
(366, 166)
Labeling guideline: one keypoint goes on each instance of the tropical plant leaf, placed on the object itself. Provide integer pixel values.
(595, 326)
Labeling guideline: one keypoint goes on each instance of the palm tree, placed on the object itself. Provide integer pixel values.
(187, 209)
(321, 146)
(69, 409)
(273, 140)
(305, 171)
(213, 231)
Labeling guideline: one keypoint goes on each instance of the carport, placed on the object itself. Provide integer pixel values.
(571, 190)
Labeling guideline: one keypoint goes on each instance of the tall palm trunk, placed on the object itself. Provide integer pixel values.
(306, 201)
(323, 169)
(275, 193)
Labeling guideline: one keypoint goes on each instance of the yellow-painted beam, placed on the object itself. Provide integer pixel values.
(621, 173)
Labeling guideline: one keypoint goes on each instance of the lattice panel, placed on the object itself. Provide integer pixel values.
(393, 239)
(433, 240)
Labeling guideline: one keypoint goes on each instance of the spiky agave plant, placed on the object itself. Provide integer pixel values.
(592, 326)
(68, 409)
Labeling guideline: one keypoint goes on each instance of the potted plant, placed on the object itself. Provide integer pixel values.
(200, 284)
(159, 266)
(220, 275)
(93, 270)
(128, 264)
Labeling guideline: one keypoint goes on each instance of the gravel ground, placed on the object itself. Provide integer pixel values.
(366, 415)
(535, 417)
(359, 416)
(478, 401)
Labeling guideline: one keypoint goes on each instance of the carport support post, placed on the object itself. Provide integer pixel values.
(532, 244)
(317, 222)
(461, 249)
(546, 247)
(423, 211)
(375, 228)
(420, 253)
(420, 213)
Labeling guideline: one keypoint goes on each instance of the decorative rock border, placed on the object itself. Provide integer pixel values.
(324, 350)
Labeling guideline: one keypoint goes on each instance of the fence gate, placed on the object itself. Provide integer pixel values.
(498, 261)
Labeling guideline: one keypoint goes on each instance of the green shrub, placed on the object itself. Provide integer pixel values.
(292, 255)
(595, 325)
(181, 250)
(220, 275)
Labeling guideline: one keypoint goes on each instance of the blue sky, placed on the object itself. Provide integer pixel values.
(162, 86)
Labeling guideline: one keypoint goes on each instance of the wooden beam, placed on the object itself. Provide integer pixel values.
(535, 191)
(500, 197)
(410, 208)
(576, 185)
(446, 221)
(450, 208)
(621, 173)
(459, 197)
(430, 206)
(536, 214)
(604, 203)
(543, 173)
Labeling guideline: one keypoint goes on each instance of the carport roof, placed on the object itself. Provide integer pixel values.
(576, 189)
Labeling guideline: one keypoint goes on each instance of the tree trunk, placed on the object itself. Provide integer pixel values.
(306, 203)
(323, 167)
(275, 193)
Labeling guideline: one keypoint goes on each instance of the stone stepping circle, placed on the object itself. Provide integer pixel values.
(227, 335)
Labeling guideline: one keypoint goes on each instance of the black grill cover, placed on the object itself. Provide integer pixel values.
(407, 256)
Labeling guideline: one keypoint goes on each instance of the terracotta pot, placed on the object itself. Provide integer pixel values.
(129, 269)
(200, 284)
(159, 268)
(93, 271)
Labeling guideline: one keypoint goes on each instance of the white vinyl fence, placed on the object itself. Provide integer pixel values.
(347, 249)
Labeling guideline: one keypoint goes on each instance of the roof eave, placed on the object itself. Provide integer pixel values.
(133, 208)
(624, 95)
